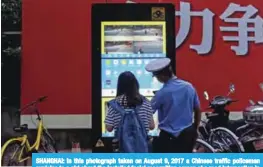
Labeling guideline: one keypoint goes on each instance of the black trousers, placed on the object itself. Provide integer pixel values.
(184, 143)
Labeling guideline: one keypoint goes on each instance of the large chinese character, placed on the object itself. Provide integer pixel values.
(243, 29)
(185, 14)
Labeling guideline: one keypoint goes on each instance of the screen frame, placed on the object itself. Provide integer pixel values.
(129, 13)
(106, 98)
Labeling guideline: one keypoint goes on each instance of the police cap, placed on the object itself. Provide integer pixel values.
(158, 65)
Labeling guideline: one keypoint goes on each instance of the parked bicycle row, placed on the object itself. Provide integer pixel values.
(220, 134)
(216, 134)
(16, 151)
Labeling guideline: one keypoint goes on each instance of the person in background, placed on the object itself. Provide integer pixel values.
(175, 102)
(128, 97)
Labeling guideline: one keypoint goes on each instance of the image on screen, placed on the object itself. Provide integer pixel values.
(133, 39)
(130, 46)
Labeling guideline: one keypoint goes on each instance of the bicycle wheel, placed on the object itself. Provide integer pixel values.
(48, 143)
(225, 140)
(10, 156)
(203, 147)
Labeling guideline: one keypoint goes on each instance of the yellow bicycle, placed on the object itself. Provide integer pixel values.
(18, 150)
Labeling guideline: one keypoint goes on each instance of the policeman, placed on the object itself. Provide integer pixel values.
(175, 102)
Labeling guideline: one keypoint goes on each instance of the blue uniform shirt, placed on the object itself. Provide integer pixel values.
(175, 104)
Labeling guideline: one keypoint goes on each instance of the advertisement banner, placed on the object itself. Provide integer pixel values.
(216, 44)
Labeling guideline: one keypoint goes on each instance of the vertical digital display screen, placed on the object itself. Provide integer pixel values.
(130, 46)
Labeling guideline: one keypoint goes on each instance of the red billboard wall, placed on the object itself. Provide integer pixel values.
(217, 44)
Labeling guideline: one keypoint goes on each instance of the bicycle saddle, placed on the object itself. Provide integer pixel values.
(211, 115)
(21, 128)
(221, 100)
(254, 115)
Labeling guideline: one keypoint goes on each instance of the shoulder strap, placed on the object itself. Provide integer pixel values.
(138, 117)
(113, 103)
(116, 106)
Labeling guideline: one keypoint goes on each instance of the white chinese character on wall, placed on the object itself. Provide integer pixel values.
(242, 28)
(185, 14)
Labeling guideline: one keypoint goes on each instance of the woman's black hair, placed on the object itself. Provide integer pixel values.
(128, 85)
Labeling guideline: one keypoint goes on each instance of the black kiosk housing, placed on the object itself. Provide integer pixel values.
(122, 13)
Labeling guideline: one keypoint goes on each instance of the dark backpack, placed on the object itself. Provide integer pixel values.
(131, 133)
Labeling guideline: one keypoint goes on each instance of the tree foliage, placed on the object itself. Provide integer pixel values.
(11, 49)
(11, 21)
(11, 15)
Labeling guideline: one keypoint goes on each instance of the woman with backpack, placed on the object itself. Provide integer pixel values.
(130, 114)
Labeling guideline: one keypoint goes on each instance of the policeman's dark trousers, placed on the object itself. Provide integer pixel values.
(184, 143)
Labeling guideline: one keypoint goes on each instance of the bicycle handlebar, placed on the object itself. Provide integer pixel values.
(39, 100)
